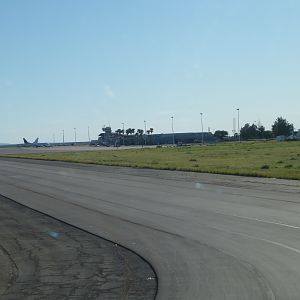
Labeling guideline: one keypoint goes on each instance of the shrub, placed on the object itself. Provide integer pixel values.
(264, 167)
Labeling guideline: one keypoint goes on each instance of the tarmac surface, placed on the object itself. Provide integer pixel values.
(43, 258)
(207, 236)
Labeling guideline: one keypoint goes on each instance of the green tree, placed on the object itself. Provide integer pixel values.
(282, 127)
(128, 131)
(221, 134)
(261, 130)
(248, 131)
(268, 134)
(139, 136)
(254, 132)
(140, 131)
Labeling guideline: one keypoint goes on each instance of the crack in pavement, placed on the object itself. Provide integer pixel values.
(43, 258)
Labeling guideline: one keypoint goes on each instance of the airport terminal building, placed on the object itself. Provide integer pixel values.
(184, 138)
(109, 138)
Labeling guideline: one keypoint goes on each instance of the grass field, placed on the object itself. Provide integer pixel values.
(263, 159)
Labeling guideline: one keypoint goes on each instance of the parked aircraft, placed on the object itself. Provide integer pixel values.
(27, 144)
(34, 144)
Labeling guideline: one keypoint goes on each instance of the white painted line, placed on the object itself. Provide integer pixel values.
(281, 245)
(270, 242)
(268, 222)
(258, 239)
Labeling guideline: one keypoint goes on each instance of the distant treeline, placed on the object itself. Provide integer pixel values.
(257, 131)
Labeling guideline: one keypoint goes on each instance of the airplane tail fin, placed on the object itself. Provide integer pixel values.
(36, 141)
(25, 141)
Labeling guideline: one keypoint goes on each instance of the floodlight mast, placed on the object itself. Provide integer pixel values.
(145, 133)
(173, 130)
(123, 134)
(202, 128)
(239, 130)
(75, 137)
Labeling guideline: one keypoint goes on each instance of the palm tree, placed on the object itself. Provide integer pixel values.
(137, 135)
(140, 131)
(151, 130)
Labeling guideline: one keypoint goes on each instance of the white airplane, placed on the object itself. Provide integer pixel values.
(34, 144)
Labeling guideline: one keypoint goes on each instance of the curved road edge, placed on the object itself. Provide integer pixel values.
(5, 288)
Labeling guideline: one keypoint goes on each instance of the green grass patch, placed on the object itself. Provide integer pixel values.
(263, 159)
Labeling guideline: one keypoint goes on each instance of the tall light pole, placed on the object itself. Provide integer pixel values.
(63, 136)
(233, 127)
(75, 134)
(239, 131)
(123, 134)
(202, 128)
(89, 133)
(173, 130)
(145, 133)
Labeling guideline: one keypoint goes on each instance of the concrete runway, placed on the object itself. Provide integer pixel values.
(207, 236)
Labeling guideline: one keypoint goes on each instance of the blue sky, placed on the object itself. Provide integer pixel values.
(66, 64)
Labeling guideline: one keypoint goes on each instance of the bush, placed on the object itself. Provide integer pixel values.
(264, 167)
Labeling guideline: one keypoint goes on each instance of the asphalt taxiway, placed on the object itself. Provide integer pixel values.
(207, 236)
(44, 258)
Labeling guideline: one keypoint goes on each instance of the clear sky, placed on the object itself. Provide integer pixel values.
(66, 64)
